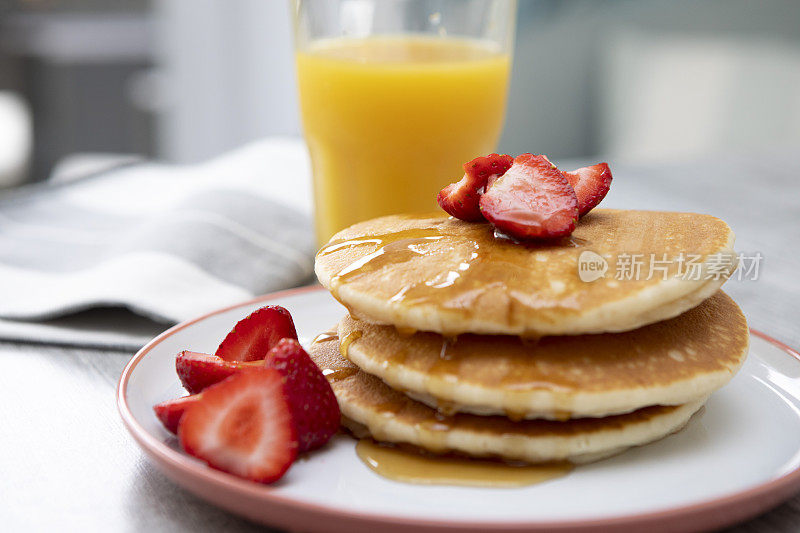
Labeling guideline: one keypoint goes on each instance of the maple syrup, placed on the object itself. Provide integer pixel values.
(407, 466)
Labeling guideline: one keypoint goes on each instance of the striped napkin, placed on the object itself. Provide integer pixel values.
(110, 258)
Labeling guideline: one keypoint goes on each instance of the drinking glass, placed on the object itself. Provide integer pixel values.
(395, 96)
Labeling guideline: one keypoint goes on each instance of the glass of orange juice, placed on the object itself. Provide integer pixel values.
(395, 96)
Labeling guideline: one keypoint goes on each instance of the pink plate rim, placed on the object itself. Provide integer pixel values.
(262, 504)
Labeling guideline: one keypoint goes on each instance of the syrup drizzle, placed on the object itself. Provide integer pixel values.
(327, 336)
(334, 375)
(347, 341)
(481, 263)
(441, 377)
(338, 374)
(426, 469)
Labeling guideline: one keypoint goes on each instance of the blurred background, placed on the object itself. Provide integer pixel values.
(185, 80)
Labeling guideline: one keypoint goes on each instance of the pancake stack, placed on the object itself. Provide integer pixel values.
(460, 340)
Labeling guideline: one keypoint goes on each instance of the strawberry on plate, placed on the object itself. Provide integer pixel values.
(315, 412)
(461, 199)
(253, 336)
(532, 200)
(243, 425)
(311, 399)
(200, 370)
(263, 400)
(591, 185)
(171, 412)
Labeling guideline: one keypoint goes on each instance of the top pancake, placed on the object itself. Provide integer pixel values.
(435, 273)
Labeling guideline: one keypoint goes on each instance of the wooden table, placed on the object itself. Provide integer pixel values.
(68, 464)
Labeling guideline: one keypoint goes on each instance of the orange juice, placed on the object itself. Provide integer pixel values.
(390, 120)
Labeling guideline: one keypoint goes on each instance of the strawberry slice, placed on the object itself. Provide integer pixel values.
(253, 336)
(171, 412)
(591, 185)
(313, 404)
(461, 199)
(532, 200)
(243, 426)
(315, 410)
(200, 370)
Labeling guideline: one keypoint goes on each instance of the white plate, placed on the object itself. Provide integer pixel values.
(737, 458)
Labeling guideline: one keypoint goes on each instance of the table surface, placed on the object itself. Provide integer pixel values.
(68, 463)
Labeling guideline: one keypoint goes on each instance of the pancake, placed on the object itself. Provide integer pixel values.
(673, 362)
(370, 406)
(434, 273)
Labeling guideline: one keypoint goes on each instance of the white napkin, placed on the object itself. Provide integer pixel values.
(165, 242)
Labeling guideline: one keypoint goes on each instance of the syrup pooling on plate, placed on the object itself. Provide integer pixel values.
(425, 469)
(472, 270)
